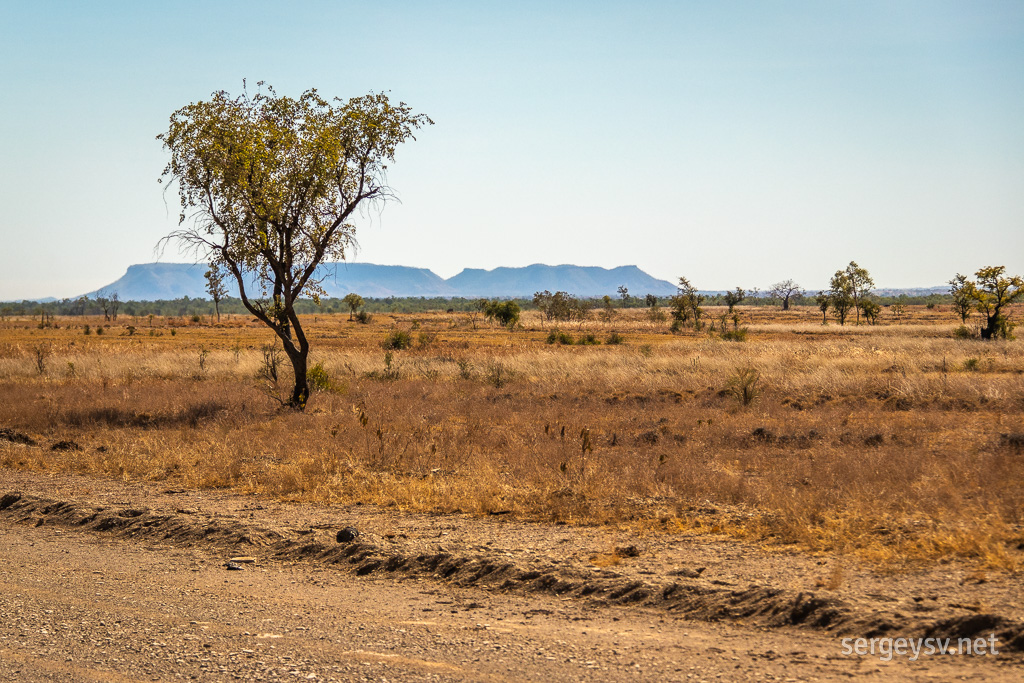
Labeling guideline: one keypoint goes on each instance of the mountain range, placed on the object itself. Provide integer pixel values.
(153, 281)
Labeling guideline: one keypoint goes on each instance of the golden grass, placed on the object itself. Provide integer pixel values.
(882, 442)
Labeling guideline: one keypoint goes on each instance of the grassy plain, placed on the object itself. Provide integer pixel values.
(894, 443)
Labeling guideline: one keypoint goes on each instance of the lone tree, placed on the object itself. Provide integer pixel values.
(841, 295)
(860, 284)
(993, 292)
(271, 183)
(215, 286)
(961, 289)
(354, 303)
(785, 291)
(733, 298)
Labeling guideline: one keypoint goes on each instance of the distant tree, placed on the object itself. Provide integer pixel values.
(870, 308)
(899, 309)
(841, 295)
(860, 284)
(824, 302)
(107, 302)
(650, 301)
(624, 295)
(993, 292)
(354, 303)
(272, 183)
(962, 291)
(506, 313)
(215, 286)
(733, 298)
(784, 291)
(686, 305)
(608, 309)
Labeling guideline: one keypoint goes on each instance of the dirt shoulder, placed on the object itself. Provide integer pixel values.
(516, 573)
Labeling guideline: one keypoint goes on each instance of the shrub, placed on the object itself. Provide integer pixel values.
(363, 318)
(88, 330)
(963, 332)
(972, 364)
(196, 319)
(588, 340)
(739, 335)
(396, 341)
(99, 329)
(744, 385)
(559, 337)
(615, 338)
(318, 378)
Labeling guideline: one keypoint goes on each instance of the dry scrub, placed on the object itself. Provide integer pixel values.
(893, 443)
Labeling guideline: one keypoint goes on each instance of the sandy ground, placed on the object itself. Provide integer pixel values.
(106, 581)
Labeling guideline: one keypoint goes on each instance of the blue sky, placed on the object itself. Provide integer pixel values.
(736, 143)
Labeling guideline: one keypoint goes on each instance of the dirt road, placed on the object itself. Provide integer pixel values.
(88, 605)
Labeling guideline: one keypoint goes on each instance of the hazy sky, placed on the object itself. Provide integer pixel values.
(738, 143)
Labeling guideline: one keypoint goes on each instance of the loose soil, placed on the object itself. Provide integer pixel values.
(103, 580)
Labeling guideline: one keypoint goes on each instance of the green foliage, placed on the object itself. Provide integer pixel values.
(363, 318)
(559, 337)
(870, 309)
(737, 335)
(962, 291)
(686, 306)
(588, 340)
(319, 379)
(963, 332)
(860, 284)
(506, 313)
(972, 364)
(841, 295)
(614, 339)
(396, 340)
(354, 303)
(993, 291)
(733, 298)
(215, 287)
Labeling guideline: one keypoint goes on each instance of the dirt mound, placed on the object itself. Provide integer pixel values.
(690, 596)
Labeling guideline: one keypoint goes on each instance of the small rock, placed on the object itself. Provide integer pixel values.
(687, 572)
(243, 560)
(348, 534)
(234, 567)
(627, 551)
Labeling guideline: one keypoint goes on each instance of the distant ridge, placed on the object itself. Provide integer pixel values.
(152, 281)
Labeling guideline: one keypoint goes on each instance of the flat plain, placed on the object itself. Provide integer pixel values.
(875, 469)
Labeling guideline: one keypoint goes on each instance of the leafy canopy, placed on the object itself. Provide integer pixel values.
(272, 181)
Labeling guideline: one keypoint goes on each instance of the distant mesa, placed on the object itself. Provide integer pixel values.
(154, 281)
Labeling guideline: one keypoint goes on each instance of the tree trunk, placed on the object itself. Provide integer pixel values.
(300, 394)
(785, 304)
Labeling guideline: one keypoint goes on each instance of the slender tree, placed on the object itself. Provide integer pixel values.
(215, 286)
(271, 183)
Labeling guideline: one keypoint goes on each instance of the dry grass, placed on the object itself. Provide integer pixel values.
(881, 442)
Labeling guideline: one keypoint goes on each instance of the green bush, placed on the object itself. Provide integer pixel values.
(588, 340)
(317, 378)
(363, 318)
(739, 335)
(396, 341)
(615, 338)
(963, 332)
(559, 337)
